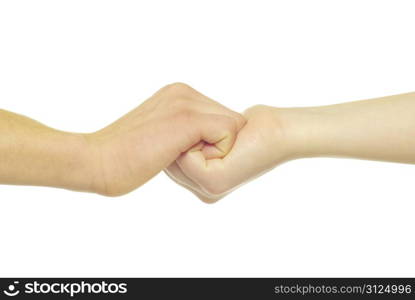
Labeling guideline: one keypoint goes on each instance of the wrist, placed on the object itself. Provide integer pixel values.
(101, 156)
(78, 167)
(301, 129)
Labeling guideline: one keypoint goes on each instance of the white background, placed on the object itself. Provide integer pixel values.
(79, 65)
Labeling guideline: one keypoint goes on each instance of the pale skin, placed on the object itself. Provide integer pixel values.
(377, 129)
(201, 144)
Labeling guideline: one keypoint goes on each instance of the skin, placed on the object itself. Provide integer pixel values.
(122, 156)
(201, 144)
(377, 129)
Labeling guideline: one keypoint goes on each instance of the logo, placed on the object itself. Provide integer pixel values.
(70, 289)
(12, 290)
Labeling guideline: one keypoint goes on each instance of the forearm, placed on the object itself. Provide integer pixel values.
(376, 129)
(111, 161)
(125, 154)
(34, 154)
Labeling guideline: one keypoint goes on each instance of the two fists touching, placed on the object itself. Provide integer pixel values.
(201, 144)
(259, 146)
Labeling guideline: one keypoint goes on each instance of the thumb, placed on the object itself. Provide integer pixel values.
(214, 134)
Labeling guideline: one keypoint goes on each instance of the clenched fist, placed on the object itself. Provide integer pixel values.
(122, 156)
(367, 129)
(260, 145)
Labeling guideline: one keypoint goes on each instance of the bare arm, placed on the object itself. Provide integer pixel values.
(34, 154)
(377, 129)
(122, 156)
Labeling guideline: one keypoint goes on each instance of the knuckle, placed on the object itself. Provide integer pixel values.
(177, 97)
(177, 88)
(229, 126)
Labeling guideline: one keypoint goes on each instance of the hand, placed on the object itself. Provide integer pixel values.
(273, 135)
(132, 150)
(262, 144)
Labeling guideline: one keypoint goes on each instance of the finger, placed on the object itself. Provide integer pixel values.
(216, 130)
(176, 174)
(213, 107)
(207, 174)
(198, 101)
(198, 147)
(209, 151)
